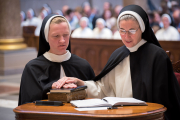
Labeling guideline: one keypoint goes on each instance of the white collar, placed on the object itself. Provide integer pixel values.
(135, 48)
(57, 58)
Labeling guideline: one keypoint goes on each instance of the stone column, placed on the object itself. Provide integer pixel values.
(142, 3)
(14, 53)
(10, 28)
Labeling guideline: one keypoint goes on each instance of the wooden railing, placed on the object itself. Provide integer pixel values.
(98, 51)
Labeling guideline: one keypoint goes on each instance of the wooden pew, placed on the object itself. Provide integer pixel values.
(95, 51)
(98, 51)
(32, 41)
(28, 30)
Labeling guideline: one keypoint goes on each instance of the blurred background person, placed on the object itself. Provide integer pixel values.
(73, 20)
(23, 18)
(95, 11)
(83, 31)
(114, 28)
(109, 19)
(45, 7)
(87, 11)
(43, 14)
(168, 32)
(58, 12)
(155, 21)
(101, 31)
(151, 5)
(165, 6)
(176, 17)
(31, 19)
(175, 5)
(116, 11)
(116, 35)
(78, 13)
(64, 9)
(107, 6)
(150, 16)
(49, 10)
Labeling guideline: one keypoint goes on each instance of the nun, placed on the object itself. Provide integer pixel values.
(83, 31)
(23, 18)
(168, 32)
(140, 69)
(43, 14)
(31, 19)
(101, 31)
(116, 35)
(53, 63)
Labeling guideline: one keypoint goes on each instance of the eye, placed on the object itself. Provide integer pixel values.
(132, 31)
(122, 31)
(56, 35)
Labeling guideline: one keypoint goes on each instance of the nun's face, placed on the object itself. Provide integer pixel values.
(129, 39)
(29, 16)
(166, 22)
(100, 25)
(83, 24)
(58, 37)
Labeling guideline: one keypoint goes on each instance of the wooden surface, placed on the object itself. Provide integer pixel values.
(98, 51)
(176, 66)
(28, 30)
(30, 111)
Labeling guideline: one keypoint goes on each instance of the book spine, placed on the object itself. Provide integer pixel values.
(67, 97)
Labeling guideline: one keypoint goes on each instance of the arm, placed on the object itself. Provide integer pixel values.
(30, 89)
(99, 89)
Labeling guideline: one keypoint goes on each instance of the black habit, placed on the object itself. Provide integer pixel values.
(152, 75)
(39, 74)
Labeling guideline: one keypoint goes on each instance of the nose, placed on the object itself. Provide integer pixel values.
(127, 35)
(61, 39)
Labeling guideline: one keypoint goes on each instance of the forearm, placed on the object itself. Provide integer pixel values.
(92, 89)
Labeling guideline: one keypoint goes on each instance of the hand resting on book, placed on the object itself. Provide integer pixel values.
(68, 82)
(66, 85)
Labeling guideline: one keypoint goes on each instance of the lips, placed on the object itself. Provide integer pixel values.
(61, 45)
(128, 41)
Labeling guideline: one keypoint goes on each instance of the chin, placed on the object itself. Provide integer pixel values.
(62, 52)
(128, 45)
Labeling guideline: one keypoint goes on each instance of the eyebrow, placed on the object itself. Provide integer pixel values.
(66, 33)
(129, 29)
(58, 34)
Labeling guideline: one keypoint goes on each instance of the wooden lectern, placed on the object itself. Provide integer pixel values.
(30, 111)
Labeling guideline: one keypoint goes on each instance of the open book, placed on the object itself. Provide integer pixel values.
(107, 102)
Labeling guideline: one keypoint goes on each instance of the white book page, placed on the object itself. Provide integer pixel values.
(89, 103)
(114, 100)
(92, 108)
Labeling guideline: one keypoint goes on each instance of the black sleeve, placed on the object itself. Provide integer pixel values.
(165, 86)
(36, 81)
(30, 89)
(90, 72)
